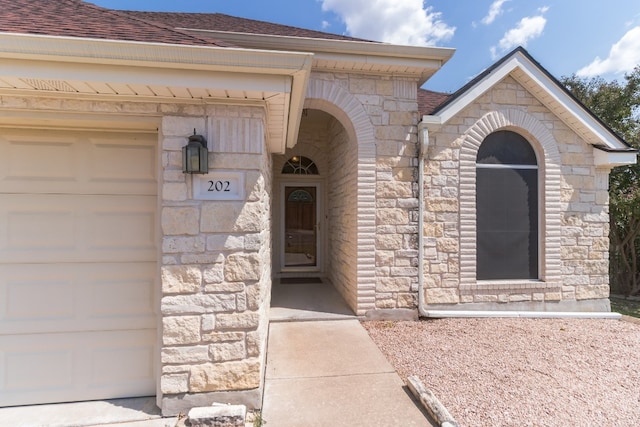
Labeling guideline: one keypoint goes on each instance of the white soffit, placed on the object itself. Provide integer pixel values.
(62, 66)
(540, 85)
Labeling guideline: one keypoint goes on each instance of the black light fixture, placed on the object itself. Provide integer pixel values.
(195, 156)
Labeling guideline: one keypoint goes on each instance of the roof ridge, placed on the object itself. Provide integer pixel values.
(156, 24)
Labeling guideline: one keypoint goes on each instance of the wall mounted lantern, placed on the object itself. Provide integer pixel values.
(195, 156)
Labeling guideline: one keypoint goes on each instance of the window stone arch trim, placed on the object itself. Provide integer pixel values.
(549, 163)
(332, 98)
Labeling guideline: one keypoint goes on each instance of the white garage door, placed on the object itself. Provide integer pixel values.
(78, 257)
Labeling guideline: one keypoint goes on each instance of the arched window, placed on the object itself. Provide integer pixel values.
(300, 165)
(506, 208)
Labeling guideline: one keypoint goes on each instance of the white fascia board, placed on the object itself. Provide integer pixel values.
(345, 51)
(317, 45)
(519, 61)
(614, 158)
(600, 132)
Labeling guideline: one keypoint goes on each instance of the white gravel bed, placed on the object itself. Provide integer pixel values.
(521, 372)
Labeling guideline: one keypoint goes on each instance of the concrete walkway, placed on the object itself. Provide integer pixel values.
(330, 373)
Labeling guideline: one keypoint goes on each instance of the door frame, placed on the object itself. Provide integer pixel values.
(279, 240)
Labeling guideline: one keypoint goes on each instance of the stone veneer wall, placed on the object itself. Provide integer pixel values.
(396, 196)
(342, 211)
(574, 210)
(216, 265)
(380, 115)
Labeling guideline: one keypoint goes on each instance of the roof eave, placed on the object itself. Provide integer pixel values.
(286, 72)
(419, 61)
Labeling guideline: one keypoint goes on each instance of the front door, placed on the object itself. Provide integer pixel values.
(301, 227)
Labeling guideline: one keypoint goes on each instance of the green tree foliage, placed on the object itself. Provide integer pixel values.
(618, 105)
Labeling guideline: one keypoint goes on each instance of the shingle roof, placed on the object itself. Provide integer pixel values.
(222, 22)
(429, 100)
(74, 18)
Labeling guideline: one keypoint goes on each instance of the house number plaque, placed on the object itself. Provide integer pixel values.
(219, 186)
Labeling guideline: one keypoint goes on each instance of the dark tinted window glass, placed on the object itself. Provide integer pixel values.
(507, 224)
(507, 209)
(506, 148)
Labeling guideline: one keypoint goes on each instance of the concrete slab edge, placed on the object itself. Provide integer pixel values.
(523, 314)
(431, 404)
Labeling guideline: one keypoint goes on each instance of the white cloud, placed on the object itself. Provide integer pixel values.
(495, 10)
(623, 56)
(528, 28)
(325, 25)
(404, 22)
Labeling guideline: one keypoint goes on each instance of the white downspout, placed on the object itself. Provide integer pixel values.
(423, 141)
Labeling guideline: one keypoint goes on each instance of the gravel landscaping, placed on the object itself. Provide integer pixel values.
(521, 372)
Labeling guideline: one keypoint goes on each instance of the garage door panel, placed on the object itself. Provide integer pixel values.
(76, 297)
(130, 162)
(46, 368)
(78, 265)
(72, 228)
(41, 162)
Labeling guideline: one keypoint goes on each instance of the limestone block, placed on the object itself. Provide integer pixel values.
(519, 297)
(182, 126)
(181, 279)
(384, 258)
(180, 330)
(592, 292)
(253, 242)
(394, 189)
(174, 191)
(389, 241)
(254, 343)
(185, 355)
(440, 204)
(174, 383)
(227, 376)
(465, 299)
(245, 320)
(197, 304)
(180, 244)
(202, 258)
(213, 273)
(404, 271)
(384, 87)
(219, 242)
(393, 284)
(217, 336)
(232, 217)
(227, 351)
(390, 216)
(485, 298)
(447, 245)
(255, 296)
(362, 86)
(388, 302)
(442, 296)
(180, 220)
(218, 416)
(225, 287)
(552, 296)
(407, 300)
(208, 322)
(240, 267)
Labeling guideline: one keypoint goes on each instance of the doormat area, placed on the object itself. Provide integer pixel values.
(299, 280)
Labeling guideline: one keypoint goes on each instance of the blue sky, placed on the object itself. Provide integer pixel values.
(587, 37)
